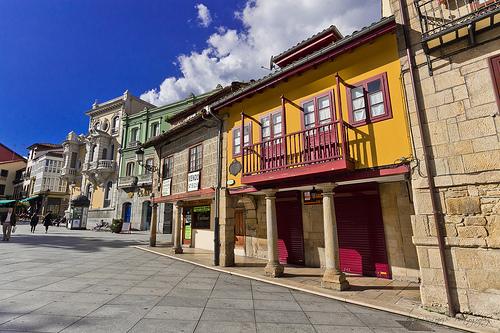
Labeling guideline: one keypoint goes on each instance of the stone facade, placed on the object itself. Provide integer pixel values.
(396, 211)
(461, 125)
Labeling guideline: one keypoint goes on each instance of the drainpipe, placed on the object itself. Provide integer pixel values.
(430, 178)
(208, 110)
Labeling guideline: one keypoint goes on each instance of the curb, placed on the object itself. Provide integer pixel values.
(456, 325)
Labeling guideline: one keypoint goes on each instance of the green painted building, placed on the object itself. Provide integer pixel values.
(135, 182)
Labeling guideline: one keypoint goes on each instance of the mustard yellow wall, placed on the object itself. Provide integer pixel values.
(97, 198)
(377, 144)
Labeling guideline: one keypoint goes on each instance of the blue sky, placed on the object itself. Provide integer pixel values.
(58, 56)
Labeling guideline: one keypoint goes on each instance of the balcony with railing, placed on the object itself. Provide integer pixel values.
(445, 21)
(145, 179)
(319, 150)
(99, 166)
(69, 172)
(127, 182)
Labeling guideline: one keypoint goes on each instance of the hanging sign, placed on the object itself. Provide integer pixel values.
(193, 181)
(166, 187)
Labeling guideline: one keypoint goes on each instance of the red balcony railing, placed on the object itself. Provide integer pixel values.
(313, 146)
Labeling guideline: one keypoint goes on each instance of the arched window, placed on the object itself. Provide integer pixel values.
(112, 152)
(134, 135)
(155, 129)
(90, 189)
(107, 194)
(149, 163)
(130, 169)
(92, 153)
(115, 123)
(104, 155)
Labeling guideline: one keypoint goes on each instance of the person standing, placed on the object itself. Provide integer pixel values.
(7, 224)
(47, 221)
(33, 222)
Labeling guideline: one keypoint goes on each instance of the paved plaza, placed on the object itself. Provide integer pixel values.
(84, 281)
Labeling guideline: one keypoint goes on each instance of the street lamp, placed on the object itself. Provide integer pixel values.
(139, 154)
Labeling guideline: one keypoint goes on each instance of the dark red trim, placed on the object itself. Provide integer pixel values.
(314, 99)
(368, 117)
(250, 141)
(204, 193)
(333, 166)
(363, 39)
(242, 190)
(494, 63)
(325, 176)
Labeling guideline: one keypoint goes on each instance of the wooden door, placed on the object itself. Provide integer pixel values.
(290, 231)
(239, 230)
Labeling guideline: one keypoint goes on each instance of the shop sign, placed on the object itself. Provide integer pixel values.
(193, 181)
(187, 231)
(166, 187)
(201, 209)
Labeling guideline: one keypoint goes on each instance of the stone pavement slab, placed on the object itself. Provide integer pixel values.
(82, 281)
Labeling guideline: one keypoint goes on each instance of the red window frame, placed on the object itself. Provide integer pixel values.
(494, 63)
(385, 93)
(316, 108)
(198, 159)
(237, 129)
(168, 167)
(271, 124)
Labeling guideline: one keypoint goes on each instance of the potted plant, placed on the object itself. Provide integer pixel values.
(116, 225)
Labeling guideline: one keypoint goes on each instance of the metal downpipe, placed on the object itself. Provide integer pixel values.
(430, 179)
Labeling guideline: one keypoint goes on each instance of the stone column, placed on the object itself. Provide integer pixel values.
(273, 267)
(177, 228)
(226, 231)
(333, 278)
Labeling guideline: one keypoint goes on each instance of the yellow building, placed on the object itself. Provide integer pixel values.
(324, 152)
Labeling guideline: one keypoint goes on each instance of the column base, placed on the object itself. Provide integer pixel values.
(335, 280)
(274, 270)
(177, 250)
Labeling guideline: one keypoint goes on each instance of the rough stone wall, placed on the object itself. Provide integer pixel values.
(396, 211)
(180, 149)
(255, 222)
(461, 126)
(314, 237)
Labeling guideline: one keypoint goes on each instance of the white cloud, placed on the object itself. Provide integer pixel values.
(269, 27)
(203, 15)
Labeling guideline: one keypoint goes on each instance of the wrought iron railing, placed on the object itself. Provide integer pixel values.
(324, 143)
(439, 16)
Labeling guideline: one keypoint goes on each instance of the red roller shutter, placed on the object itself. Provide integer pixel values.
(361, 231)
(290, 232)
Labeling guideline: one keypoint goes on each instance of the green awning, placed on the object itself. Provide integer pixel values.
(6, 202)
(28, 199)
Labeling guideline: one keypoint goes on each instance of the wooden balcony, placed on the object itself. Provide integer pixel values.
(318, 151)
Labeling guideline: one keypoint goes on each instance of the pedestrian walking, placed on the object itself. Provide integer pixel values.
(7, 224)
(33, 222)
(47, 221)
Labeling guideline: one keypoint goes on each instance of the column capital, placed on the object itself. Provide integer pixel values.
(179, 203)
(270, 193)
(327, 187)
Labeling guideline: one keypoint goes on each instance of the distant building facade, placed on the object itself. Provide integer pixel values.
(134, 183)
(102, 154)
(12, 166)
(44, 188)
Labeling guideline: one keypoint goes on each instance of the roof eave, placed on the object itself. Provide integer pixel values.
(377, 29)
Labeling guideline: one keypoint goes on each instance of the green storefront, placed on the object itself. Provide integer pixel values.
(134, 183)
